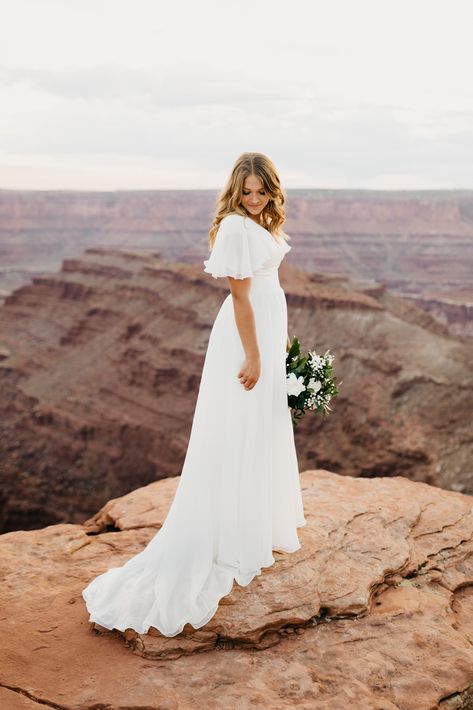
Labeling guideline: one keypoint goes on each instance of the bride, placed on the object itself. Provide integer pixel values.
(238, 497)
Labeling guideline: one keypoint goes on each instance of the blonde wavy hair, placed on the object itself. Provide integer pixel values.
(273, 215)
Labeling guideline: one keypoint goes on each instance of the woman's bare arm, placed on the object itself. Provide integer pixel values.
(250, 370)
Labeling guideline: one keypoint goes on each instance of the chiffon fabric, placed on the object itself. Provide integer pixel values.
(238, 497)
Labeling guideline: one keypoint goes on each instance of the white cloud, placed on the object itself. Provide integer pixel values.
(98, 94)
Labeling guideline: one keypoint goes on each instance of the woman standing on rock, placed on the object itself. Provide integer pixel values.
(239, 495)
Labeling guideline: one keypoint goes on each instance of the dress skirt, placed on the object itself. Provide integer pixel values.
(238, 496)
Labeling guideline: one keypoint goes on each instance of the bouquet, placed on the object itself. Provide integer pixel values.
(310, 382)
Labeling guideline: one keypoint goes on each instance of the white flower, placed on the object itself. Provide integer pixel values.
(295, 385)
(315, 360)
(314, 384)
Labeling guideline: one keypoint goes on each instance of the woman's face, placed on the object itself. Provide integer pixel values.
(254, 197)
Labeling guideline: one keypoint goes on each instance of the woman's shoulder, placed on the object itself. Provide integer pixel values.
(233, 219)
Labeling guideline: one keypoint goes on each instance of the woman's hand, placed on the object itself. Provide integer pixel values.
(250, 371)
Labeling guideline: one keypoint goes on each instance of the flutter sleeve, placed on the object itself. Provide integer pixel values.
(236, 251)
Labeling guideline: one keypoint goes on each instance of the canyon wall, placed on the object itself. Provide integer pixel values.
(418, 244)
(100, 365)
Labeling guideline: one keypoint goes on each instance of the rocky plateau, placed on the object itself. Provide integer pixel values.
(373, 612)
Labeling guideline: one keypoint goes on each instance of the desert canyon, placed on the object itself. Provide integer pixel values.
(104, 325)
(417, 243)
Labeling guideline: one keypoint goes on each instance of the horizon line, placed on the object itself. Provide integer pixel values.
(212, 190)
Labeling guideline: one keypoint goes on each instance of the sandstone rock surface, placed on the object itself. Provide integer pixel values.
(374, 610)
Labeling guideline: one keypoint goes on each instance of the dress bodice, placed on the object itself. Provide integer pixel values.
(243, 248)
(277, 247)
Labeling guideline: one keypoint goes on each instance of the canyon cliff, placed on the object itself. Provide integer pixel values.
(417, 243)
(100, 366)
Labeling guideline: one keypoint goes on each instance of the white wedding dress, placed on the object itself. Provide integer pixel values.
(239, 495)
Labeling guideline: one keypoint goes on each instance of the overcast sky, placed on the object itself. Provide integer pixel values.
(146, 94)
